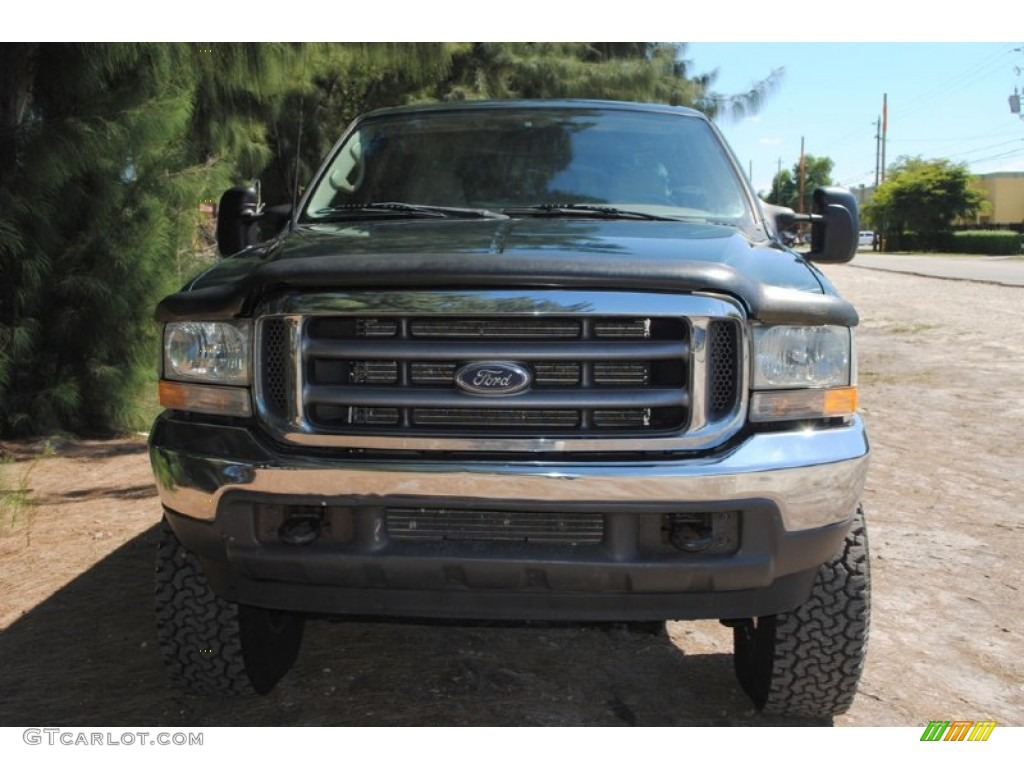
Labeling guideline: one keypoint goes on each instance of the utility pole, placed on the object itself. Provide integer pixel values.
(801, 175)
(1015, 96)
(885, 128)
(878, 149)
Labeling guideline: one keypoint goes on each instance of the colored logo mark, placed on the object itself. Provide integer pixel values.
(958, 730)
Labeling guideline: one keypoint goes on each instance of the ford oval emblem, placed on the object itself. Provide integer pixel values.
(495, 379)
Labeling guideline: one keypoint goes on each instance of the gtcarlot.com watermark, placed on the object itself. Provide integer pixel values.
(70, 738)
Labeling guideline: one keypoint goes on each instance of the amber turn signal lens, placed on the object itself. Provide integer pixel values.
(225, 401)
(788, 405)
(840, 402)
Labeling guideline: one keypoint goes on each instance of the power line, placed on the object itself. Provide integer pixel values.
(984, 149)
(983, 68)
(965, 78)
(1015, 132)
(1003, 156)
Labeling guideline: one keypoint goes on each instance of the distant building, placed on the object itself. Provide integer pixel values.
(1005, 194)
(863, 194)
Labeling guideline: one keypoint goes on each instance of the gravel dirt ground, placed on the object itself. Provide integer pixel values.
(941, 366)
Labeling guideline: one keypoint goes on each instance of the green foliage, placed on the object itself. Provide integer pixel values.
(330, 86)
(649, 72)
(923, 197)
(785, 189)
(100, 181)
(991, 242)
(343, 81)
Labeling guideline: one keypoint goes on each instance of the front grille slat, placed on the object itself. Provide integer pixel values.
(483, 418)
(498, 328)
(328, 349)
(449, 398)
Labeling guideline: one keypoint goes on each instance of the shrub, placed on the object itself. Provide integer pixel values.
(992, 242)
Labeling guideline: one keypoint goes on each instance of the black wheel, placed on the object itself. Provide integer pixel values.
(211, 645)
(808, 662)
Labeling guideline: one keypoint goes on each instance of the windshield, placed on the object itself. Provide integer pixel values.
(666, 165)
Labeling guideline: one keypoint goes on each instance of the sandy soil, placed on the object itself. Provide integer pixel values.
(941, 365)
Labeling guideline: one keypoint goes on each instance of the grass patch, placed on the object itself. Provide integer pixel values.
(146, 406)
(16, 508)
(867, 377)
(914, 328)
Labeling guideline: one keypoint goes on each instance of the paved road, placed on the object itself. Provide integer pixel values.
(1003, 270)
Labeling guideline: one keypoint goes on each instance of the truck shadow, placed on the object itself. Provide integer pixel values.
(88, 656)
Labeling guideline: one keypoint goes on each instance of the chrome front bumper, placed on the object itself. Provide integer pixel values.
(814, 478)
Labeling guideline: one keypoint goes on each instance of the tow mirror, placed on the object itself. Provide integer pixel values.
(237, 217)
(835, 226)
(240, 216)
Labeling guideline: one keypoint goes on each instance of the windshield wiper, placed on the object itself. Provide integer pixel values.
(408, 210)
(576, 209)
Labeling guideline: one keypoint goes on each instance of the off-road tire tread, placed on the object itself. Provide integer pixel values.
(808, 662)
(200, 632)
(820, 646)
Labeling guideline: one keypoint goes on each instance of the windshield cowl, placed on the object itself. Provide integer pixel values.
(404, 210)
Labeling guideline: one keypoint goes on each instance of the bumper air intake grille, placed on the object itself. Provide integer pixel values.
(274, 365)
(493, 526)
(723, 368)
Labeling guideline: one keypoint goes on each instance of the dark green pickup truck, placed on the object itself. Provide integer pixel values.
(517, 361)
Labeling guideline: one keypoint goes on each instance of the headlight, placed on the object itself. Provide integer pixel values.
(209, 352)
(808, 372)
(791, 357)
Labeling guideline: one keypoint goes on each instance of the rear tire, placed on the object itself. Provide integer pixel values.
(807, 662)
(212, 646)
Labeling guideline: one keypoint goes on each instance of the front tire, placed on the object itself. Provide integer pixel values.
(212, 646)
(807, 662)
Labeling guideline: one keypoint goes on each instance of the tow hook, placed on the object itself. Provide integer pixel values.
(301, 527)
(689, 533)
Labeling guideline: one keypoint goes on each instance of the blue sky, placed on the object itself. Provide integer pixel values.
(945, 100)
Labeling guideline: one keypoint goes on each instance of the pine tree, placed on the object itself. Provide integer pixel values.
(105, 157)
(648, 72)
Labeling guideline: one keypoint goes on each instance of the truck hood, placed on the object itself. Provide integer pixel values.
(774, 284)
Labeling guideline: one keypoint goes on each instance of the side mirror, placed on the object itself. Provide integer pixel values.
(835, 226)
(237, 215)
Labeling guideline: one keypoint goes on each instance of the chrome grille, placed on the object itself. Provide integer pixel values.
(381, 370)
(587, 374)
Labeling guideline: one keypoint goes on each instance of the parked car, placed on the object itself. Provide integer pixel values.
(866, 239)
